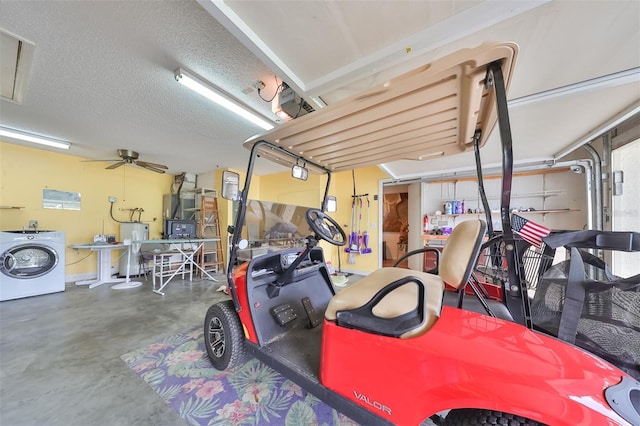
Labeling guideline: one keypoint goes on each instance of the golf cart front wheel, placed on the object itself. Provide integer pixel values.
(464, 417)
(223, 336)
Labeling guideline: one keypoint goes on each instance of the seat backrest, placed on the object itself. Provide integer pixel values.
(461, 252)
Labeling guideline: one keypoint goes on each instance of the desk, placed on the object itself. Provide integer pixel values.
(104, 263)
(187, 257)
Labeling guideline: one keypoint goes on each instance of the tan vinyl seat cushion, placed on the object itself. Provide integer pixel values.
(400, 301)
(460, 253)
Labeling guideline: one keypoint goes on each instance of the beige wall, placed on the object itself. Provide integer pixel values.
(280, 187)
(25, 172)
(367, 181)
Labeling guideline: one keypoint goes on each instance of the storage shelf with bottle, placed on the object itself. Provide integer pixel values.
(539, 192)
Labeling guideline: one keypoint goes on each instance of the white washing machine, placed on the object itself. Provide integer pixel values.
(31, 263)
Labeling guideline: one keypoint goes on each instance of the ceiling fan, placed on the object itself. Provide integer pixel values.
(131, 157)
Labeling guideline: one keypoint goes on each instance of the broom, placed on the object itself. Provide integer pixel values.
(365, 237)
(353, 236)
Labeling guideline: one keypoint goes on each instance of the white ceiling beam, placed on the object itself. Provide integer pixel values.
(619, 118)
(611, 80)
(236, 26)
(450, 30)
(468, 22)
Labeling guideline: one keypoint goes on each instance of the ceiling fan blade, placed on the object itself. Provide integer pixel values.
(94, 161)
(147, 164)
(113, 166)
(153, 169)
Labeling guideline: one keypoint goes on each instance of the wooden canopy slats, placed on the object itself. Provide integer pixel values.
(416, 119)
(441, 131)
(432, 111)
(377, 116)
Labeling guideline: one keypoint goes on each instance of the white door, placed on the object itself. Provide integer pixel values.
(626, 205)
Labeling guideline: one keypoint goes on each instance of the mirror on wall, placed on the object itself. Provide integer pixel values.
(230, 185)
(331, 204)
(54, 199)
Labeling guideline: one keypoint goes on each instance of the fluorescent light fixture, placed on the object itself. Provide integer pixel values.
(216, 95)
(318, 101)
(29, 137)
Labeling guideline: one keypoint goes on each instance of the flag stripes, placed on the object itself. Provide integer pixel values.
(530, 231)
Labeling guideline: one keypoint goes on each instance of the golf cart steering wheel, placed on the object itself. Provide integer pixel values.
(326, 227)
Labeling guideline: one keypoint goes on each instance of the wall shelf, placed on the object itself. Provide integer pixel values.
(557, 198)
(516, 212)
(490, 177)
(11, 207)
(539, 194)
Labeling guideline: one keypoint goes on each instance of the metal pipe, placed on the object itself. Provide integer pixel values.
(588, 173)
(597, 175)
(603, 129)
(607, 190)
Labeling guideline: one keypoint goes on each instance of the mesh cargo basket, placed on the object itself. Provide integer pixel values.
(492, 263)
(608, 323)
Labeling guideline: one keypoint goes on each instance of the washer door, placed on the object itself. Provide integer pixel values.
(28, 261)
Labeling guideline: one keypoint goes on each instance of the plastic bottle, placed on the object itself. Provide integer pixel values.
(447, 207)
(425, 225)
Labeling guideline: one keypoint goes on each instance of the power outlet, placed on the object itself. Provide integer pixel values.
(33, 224)
(112, 199)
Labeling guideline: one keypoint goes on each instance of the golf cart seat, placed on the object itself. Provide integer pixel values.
(405, 303)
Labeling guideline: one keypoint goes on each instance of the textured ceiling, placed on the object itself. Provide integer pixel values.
(102, 78)
(102, 72)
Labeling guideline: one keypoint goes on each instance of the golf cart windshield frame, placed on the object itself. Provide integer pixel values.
(491, 101)
(263, 149)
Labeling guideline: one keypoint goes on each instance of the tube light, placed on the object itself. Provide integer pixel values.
(216, 95)
(29, 137)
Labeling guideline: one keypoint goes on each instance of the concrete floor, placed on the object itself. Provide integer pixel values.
(60, 353)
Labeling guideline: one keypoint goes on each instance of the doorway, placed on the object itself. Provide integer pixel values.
(625, 162)
(395, 223)
(404, 235)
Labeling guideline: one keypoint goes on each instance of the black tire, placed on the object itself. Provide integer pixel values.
(469, 416)
(223, 336)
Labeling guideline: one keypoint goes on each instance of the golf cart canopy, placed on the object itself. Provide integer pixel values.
(436, 110)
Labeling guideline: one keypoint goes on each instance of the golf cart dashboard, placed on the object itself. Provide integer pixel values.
(273, 264)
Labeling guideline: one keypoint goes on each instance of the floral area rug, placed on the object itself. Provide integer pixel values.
(178, 370)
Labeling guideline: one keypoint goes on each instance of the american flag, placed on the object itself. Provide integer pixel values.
(529, 230)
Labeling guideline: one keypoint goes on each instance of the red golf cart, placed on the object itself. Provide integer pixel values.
(393, 347)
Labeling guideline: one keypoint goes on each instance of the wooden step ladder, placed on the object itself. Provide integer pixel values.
(210, 256)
